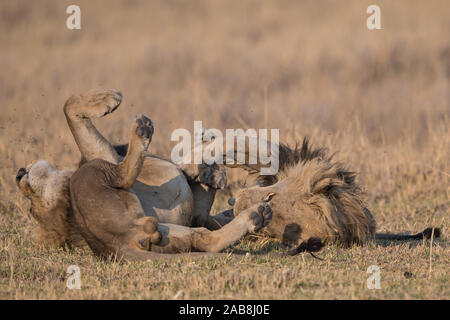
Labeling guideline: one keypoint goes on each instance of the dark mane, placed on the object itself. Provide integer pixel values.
(290, 157)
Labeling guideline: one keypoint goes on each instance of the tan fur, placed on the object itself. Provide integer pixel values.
(48, 190)
(108, 214)
(314, 197)
(165, 191)
(170, 193)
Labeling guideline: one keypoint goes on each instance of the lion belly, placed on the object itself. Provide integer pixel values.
(164, 192)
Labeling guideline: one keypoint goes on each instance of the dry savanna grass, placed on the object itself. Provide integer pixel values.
(381, 99)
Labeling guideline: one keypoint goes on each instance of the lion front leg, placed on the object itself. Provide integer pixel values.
(219, 220)
(179, 239)
(130, 167)
(249, 221)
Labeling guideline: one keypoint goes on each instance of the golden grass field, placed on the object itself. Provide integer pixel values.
(381, 99)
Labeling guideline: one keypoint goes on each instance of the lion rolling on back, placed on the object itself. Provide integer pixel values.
(99, 206)
(314, 198)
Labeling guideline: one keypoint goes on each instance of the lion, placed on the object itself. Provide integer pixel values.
(181, 195)
(97, 204)
(315, 200)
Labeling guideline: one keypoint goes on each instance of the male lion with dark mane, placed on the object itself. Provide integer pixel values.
(314, 198)
(125, 202)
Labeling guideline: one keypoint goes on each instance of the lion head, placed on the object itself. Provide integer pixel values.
(48, 190)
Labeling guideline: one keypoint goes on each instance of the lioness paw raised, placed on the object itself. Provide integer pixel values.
(260, 217)
(110, 98)
(95, 103)
(144, 130)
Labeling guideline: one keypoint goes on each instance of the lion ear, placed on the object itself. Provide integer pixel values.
(269, 196)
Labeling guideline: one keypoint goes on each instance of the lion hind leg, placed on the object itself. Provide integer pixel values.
(79, 109)
(95, 103)
(149, 226)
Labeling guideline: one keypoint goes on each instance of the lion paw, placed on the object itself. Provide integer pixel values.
(103, 102)
(94, 103)
(260, 217)
(213, 175)
(144, 130)
(150, 227)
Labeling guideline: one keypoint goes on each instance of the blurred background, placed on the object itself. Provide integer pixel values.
(380, 98)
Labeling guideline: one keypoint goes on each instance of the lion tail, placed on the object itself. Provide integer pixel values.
(425, 234)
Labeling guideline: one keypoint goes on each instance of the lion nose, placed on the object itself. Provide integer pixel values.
(20, 174)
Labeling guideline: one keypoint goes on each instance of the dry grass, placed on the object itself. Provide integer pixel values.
(380, 98)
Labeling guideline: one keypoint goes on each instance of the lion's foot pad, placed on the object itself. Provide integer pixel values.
(144, 130)
(213, 175)
(96, 103)
(110, 98)
(145, 127)
(261, 217)
(150, 227)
